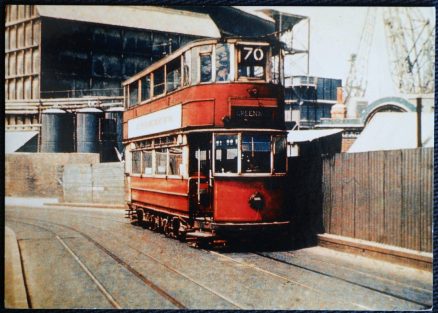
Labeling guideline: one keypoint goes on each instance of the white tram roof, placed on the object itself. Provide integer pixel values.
(143, 17)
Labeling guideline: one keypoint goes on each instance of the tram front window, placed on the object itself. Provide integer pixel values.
(280, 144)
(226, 153)
(256, 151)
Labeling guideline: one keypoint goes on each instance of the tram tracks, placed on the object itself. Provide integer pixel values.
(107, 295)
(178, 304)
(265, 255)
(379, 290)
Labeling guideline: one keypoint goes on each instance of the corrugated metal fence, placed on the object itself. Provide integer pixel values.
(382, 196)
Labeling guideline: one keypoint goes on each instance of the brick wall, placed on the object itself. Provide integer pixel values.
(94, 183)
(40, 174)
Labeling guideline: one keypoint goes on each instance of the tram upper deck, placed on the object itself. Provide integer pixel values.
(208, 84)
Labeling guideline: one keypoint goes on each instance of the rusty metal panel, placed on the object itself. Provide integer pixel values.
(28, 61)
(35, 88)
(12, 89)
(13, 38)
(326, 193)
(20, 11)
(12, 13)
(20, 35)
(426, 199)
(28, 88)
(20, 63)
(6, 65)
(348, 189)
(7, 39)
(19, 87)
(36, 61)
(36, 32)
(12, 64)
(393, 197)
(377, 209)
(28, 33)
(361, 191)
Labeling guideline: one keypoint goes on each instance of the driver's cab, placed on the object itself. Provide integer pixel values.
(231, 154)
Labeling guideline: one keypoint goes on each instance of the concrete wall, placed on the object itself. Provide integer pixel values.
(40, 174)
(94, 183)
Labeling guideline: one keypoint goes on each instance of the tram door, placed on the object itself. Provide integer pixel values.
(200, 182)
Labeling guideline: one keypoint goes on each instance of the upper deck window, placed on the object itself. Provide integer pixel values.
(146, 87)
(206, 67)
(173, 76)
(252, 61)
(222, 62)
(133, 94)
(159, 81)
(187, 64)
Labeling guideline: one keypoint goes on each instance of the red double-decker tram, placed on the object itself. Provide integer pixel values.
(205, 141)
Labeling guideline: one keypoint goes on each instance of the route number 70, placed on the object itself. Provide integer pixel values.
(256, 53)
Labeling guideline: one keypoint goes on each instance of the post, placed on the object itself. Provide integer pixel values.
(419, 109)
(199, 176)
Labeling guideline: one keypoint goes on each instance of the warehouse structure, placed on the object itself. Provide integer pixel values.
(64, 66)
(308, 100)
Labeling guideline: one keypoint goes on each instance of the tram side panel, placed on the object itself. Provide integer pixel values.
(166, 195)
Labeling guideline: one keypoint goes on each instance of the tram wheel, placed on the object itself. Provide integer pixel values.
(139, 217)
(167, 228)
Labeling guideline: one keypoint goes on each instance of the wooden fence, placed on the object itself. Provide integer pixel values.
(382, 196)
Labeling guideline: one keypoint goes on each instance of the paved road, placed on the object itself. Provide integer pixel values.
(94, 258)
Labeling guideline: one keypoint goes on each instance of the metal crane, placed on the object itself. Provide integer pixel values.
(410, 42)
(410, 39)
(356, 84)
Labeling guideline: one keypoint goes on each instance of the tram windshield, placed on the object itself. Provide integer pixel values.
(247, 153)
(256, 151)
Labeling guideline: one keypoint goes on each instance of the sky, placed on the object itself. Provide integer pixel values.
(335, 34)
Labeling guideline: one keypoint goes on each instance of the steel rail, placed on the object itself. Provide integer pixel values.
(149, 256)
(149, 283)
(387, 293)
(102, 289)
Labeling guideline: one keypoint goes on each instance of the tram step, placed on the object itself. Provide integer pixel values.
(199, 234)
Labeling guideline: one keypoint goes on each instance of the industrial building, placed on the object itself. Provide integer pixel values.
(64, 66)
(308, 100)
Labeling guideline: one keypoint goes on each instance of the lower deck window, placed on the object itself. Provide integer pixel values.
(175, 162)
(226, 154)
(136, 162)
(147, 162)
(280, 144)
(160, 161)
(256, 154)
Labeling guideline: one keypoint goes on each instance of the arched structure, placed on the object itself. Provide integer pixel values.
(387, 104)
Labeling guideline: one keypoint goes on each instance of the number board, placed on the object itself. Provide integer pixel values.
(253, 54)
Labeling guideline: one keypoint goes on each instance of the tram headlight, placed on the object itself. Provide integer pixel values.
(256, 201)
